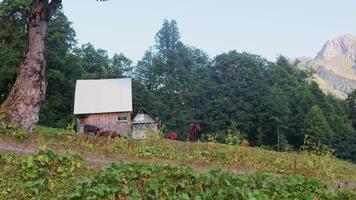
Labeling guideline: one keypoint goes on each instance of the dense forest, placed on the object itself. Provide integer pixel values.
(233, 93)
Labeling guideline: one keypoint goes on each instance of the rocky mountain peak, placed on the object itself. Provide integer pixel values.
(341, 47)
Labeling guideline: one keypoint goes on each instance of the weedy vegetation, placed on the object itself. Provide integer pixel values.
(48, 175)
(190, 170)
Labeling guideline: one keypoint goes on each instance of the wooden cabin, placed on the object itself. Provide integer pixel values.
(144, 125)
(104, 103)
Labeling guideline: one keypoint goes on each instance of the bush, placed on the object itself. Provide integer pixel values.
(45, 174)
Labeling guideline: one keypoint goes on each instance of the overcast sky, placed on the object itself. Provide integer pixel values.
(293, 28)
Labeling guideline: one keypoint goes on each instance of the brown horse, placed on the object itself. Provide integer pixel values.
(192, 130)
(170, 135)
(91, 129)
(107, 134)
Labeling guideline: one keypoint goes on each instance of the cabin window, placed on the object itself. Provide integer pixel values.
(122, 118)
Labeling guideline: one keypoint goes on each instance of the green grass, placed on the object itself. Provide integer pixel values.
(200, 155)
(48, 175)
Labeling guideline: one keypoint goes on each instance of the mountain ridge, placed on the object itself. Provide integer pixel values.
(343, 46)
(334, 65)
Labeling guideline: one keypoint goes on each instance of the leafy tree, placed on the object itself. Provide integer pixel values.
(121, 66)
(97, 63)
(94, 61)
(317, 126)
(235, 92)
(62, 66)
(171, 71)
(22, 105)
(278, 111)
(295, 86)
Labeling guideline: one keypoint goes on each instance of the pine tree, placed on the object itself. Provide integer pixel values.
(316, 125)
(278, 111)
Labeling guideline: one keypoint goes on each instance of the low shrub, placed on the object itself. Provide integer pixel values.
(45, 174)
(48, 175)
(148, 181)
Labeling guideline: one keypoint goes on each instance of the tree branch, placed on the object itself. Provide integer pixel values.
(53, 6)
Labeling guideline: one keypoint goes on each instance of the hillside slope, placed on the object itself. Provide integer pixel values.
(51, 175)
(200, 155)
(46, 165)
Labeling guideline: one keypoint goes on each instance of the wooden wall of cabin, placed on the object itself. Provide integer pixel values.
(106, 122)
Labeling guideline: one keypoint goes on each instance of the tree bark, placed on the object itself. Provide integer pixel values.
(22, 106)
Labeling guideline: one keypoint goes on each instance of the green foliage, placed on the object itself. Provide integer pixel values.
(172, 73)
(233, 139)
(316, 150)
(12, 36)
(316, 125)
(47, 175)
(147, 181)
(11, 130)
(314, 146)
(44, 174)
(230, 137)
(351, 107)
(278, 110)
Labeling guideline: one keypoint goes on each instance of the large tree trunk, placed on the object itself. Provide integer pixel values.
(22, 106)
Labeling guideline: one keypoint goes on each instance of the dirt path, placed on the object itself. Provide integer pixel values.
(96, 161)
(26, 149)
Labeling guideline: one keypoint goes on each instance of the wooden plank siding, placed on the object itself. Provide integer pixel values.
(106, 122)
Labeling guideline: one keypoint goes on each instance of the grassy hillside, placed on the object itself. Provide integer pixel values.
(163, 169)
(202, 156)
(48, 175)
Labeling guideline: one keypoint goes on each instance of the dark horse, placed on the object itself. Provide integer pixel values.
(170, 135)
(91, 129)
(192, 130)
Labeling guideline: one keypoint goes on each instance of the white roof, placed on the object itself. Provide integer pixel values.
(103, 96)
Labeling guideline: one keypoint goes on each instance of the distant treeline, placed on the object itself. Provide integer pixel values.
(237, 93)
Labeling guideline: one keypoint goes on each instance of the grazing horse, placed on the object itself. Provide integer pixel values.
(107, 134)
(170, 135)
(192, 130)
(91, 129)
